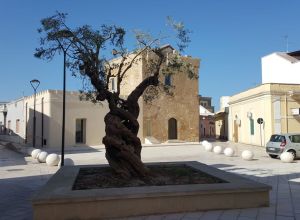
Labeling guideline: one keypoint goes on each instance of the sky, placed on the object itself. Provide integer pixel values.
(229, 37)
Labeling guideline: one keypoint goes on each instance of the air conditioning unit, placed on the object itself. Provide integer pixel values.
(295, 111)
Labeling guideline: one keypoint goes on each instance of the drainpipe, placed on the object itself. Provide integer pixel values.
(286, 114)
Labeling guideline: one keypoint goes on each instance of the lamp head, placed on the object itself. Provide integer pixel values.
(35, 83)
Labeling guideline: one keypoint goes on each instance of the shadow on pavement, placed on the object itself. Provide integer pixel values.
(16, 194)
(10, 158)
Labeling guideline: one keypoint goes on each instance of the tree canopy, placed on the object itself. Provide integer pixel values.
(89, 55)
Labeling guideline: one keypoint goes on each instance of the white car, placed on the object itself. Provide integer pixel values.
(279, 143)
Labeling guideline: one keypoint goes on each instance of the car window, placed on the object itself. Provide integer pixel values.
(277, 138)
(295, 138)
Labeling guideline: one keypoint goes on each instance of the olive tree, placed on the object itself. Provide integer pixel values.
(89, 56)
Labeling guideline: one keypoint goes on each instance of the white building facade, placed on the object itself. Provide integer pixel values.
(281, 67)
(84, 122)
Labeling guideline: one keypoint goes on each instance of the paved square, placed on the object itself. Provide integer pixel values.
(21, 176)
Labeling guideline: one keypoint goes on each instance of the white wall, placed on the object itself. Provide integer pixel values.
(224, 100)
(75, 109)
(2, 108)
(280, 68)
(15, 112)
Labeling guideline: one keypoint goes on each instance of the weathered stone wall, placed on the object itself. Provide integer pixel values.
(183, 106)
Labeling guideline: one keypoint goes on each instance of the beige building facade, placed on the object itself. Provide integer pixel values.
(166, 118)
(276, 104)
(84, 125)
(221, 124)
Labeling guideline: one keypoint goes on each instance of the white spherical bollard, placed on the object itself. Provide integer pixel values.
(35, 153)
(287, 157)
(218, 149)
(247, 155)
(204, 143)
(29, 150)
(42, 157)
(67, 162)
(208, 147)
(52, 160)
(228, 152)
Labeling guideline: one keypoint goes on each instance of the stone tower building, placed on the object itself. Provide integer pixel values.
(167, 118)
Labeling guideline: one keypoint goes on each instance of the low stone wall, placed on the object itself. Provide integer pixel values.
(57, 200)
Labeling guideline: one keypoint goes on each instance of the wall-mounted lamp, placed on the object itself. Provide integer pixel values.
(249, 115)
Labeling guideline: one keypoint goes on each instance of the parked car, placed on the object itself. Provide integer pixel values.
(280, 143)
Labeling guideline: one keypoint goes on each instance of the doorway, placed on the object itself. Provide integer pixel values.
(172, 129)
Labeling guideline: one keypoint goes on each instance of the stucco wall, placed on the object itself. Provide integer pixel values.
(76, 109)
(52, 117)
(273, 103)
(14, 113)
(42, 117)
(278, 69)
(259, 107)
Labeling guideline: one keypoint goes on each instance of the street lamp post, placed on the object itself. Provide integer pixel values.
(64, 46)
(64, 105)
(64, 112)
(35, 84)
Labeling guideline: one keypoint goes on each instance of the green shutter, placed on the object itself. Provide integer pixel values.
(251, 126)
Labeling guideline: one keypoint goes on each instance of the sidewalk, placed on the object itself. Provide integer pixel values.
(21, 177)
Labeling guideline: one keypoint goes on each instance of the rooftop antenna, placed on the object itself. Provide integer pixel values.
(286, 37)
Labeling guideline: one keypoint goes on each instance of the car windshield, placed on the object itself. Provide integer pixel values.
(277, 138)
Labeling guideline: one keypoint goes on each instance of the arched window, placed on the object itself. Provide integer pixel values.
(172, 129)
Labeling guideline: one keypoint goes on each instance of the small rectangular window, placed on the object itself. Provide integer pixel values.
(295, 138)
(18, 126)
(168, 80)
(80, 131)
(251, 126)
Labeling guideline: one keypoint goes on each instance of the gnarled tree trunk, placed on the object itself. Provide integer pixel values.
(123, 147)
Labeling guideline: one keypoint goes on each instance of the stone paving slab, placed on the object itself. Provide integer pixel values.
(21, 176)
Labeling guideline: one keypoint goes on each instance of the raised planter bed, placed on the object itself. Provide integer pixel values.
(57, 199)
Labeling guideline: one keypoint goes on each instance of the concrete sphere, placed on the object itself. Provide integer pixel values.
(67, 162)
(208, 147)
(42, 157)
(218, 149)
(35, 153)
(204, 143)
(29, 150)
(247, 155)
(52, 160)
(287, 157)
(229, 152)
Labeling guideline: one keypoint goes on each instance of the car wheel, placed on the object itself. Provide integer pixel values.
(293, 152)
(273, 156)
